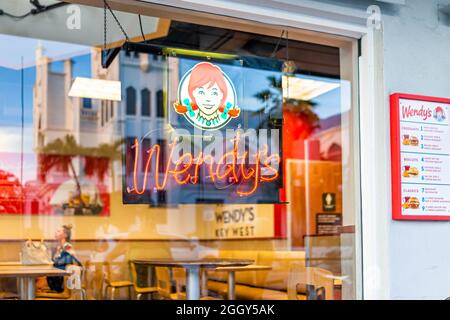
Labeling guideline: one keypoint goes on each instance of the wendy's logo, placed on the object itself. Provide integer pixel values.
(206, 97)
(439, 114)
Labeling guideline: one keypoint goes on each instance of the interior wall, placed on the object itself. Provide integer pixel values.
(140, 222)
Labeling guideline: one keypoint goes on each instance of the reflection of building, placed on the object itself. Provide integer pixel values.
(142, 107)
(95, 122)
(54, 113)
(330, 137)
(140, 114)
(92, 123)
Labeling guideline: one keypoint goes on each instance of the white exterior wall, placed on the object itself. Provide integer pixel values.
(416, 60)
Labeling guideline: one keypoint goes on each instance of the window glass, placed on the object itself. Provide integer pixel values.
(145, 102)
(131, 101)
(111, 110)
(248, 154)
(87, 103)
(160, 104)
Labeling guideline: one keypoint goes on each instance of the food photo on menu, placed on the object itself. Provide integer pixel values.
(409, 140)
(410, 171)
(411, 203)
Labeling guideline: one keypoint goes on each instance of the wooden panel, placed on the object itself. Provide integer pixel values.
(308, 180)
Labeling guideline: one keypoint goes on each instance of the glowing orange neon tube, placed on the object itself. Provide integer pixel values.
(180, 170)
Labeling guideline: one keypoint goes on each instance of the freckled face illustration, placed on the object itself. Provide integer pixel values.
(439, 114)
(207, 88)
(208, 98)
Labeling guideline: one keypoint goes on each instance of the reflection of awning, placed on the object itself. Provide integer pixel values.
(69, 188)
(53, 24)
(306, 89)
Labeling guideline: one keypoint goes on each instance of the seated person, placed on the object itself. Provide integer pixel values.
(62, 256)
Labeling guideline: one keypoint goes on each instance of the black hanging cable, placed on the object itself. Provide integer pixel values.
(278, 44)
(287, 45)
(38, 9)
(288, 66)
(142, 29)
(108, 55)
(105, 25)
(3, 13)
(117, 20)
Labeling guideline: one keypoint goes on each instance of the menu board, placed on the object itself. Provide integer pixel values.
(420, 147)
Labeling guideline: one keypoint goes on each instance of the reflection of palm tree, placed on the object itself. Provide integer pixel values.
(100, 159)
(60, 152)
(273, 99)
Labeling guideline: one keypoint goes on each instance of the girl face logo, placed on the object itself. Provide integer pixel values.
(206, 97)
(439, 114)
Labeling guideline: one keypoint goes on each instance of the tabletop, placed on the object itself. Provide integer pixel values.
(251, 267)
(18, 263)
(186, 263)
(10, 271)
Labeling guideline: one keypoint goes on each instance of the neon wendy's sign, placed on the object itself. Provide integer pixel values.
(207, 97)
(203, 163)
(245, 165)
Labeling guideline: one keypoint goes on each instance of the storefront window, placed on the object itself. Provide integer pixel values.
(224, 144)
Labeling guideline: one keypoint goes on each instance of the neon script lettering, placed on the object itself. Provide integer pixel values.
(230, 168)
(424, 113)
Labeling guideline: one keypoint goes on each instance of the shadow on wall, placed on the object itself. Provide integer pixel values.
(444, 15)
(390, 9)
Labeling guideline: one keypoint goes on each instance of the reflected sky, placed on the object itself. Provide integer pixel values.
(19, 47)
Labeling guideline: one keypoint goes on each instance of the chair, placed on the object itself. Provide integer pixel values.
(86, 280)
(6, 289)
(315, 279)
(166, 277)
(140, 291)
(70, 286)
(113, 285)
(9, 296)
(164, 283)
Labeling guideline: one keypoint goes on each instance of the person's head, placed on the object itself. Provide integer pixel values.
(207, 87)
(64, 233)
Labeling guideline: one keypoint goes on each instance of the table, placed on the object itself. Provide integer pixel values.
(232, 276)
(192, 267)
(27, 275)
